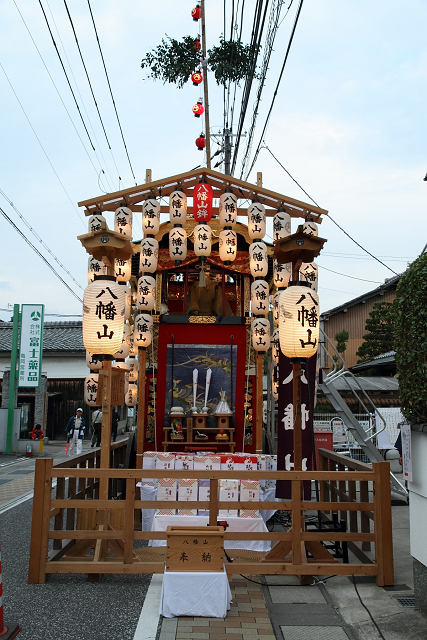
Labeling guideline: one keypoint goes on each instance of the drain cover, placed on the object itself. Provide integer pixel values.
(407, 602)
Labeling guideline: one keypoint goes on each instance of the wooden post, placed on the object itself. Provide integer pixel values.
(106, 429)
(213, 503)
(40, 480)
(128, 521)
(205, 89)
(141, 408)
(296, 401)
(258, 421)
(383, 524)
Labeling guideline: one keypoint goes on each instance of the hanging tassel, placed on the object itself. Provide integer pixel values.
(202, 277)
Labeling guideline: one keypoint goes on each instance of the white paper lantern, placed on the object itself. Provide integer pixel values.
(202, 240)
(275, 346)
(143, 330)
(309, 272)
(131, 396)
(103, 316)
(259, 298)
(256, 221)
(123, 269)
(92, 362)
(178, 207)
(97, 222)
(133, 371)
(275, 301)
(299, 321)
(149, 254)
(91, 389)
(178, 243)
(310, 227)
(94, 268)
(133, 349)
(260, 334)
(146, 293)
(151, 216)
(281, 225)
(227, 209)
(123, 221)
(121, 365)
(128, 300)
(258, 260)
(275, 383)
(123, 352)
(281, 274)
(227, 245)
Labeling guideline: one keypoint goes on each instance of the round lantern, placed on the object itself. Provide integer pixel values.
(151, 216)
(256, 220)
(178, 243)
(121, 365)
(123, 269)
(281, 274)
(227, 245)
(94, 268)
(275, 301)
(93, 363)
(133, 350)
(133, 372)
(260, 334)
(198, 109)
(275, 383)
(227, 209)
(308, 272)
(201, 142)
(131, 396)
(196, 13)
(103, 316)
(91, 389)
(123, 352)
(281, 224)
(196, 78)
(146, 293)
(202, 202)
(275, 346)
(123, 221)
(310, 227)
(97, 222)
(178, 207)
(202, 240)
(259, 298)
(299, 321)
(148, 255)
(143, 330)
(258, 260)
(128, 300)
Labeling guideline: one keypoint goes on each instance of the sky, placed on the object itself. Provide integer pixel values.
(348, 124)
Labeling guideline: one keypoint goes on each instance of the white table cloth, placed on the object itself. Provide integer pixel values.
(191, 593)
(268, 495)
(148, 492)
(161, 523)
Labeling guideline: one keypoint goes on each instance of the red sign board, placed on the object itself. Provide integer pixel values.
(202, 202)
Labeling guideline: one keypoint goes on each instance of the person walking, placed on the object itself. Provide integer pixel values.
(75, 430)
(114, 424)
(96, 427)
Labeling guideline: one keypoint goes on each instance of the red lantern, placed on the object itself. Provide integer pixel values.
(197, 78)
(202, 202)
(197, 44)
(201, 142)
(198, 109)
(196, 13)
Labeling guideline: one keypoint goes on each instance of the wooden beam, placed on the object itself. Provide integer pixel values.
(258, 384)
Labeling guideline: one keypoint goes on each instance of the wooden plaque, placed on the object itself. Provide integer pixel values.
(195, 549)
(118, 388)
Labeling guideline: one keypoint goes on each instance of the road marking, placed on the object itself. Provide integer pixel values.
(149, 619)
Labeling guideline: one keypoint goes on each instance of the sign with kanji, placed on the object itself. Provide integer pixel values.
(202, 202)
(31, 345)
(195, 549)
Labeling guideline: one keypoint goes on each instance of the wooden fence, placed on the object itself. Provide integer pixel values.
(109, 534)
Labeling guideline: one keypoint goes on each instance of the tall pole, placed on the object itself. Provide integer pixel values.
(227, 152)
(12, 380)
(141, 407)
(205, 90)
(258, 418)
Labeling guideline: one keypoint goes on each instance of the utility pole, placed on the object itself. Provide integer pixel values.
(205, 89)
(226, 138)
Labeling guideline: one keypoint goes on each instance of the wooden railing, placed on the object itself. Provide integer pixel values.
(110, 534)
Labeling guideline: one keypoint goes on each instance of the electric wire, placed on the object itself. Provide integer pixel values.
(365, 607)
(111, 91)
(42, 147)
(18, 230)
(346, 276)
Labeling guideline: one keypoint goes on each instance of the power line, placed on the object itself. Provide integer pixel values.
(6, 217)
(346, 276)
(111, 91)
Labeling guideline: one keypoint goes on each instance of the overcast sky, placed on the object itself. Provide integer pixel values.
(348, 124)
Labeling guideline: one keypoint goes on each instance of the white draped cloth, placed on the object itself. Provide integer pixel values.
(195, 593)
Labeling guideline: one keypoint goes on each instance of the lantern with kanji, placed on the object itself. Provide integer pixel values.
(260, 330)
(227, 245)
(133, 371)
(256, 220)
(198, 108)
(128, 300)
(121, 365)
(123, 221)
(275, 383)
(123, 352)
(146, 293)
(275, 301)
(131, 395)
(202, 202)
(258, 260)
(310, 227)
(308, 272)
(196, 13)
(123, 269)
(281, 224)
(143, 330)
(259, 298)
(196, 78)
(133, 349)
(281, 274)
(91, 389)
(201, 142)
(227, 209)
(148, 255)
(178, 243)
(275, 346)
(151, 216)
(93, 363)
(202, 236)
(97, 222)
(178, 207)
(94, 268)
(299, 321)
(103, 316)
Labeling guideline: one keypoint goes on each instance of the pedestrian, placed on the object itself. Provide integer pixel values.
(37, 432)
(96, 426)
(114, 424)
(75, 430)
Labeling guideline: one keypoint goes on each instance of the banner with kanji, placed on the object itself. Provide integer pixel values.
(31, 345)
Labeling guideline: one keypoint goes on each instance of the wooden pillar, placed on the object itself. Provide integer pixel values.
(205, 88)
(258, 421)
(141, 408)
(105, 429)
(296, 401)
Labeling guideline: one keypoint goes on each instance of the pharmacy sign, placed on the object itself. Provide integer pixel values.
(31, 345)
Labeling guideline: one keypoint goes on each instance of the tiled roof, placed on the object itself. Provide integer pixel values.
(57, 336)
